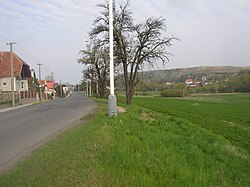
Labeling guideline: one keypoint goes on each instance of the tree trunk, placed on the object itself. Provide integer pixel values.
(102, 89)
(129, 98)
(129, 95)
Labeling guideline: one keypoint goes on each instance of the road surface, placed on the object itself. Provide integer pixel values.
(23, 130)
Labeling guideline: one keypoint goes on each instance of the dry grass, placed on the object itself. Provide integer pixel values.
(121, 109)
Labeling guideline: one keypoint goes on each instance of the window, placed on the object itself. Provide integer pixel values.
(4, 84)
(22, 84)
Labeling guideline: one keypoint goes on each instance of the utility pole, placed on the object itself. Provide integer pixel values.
(52, 75)
(12, 73)
(40, 91)
(112, 110)
(61, 89)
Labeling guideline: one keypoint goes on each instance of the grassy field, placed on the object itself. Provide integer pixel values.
(199, 141)
(224, 115)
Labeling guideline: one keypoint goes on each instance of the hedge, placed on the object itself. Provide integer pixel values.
(172, 93)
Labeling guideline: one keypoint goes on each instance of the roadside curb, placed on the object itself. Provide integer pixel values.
(14, 108)
(25, 105)
(21, 106)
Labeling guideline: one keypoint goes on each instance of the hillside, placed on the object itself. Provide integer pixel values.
(180, 74)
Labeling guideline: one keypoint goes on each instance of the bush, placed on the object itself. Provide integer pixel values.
(172, 93)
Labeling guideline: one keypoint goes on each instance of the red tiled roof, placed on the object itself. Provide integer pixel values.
(5, 64)
(50, 84)
(189, 80)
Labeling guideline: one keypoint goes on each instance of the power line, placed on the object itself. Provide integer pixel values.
(32, 60)
(4, 39)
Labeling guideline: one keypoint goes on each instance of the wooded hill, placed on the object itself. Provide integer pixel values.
(216, 73)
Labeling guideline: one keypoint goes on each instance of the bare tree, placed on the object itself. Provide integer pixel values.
(135, 44)
(97, 60)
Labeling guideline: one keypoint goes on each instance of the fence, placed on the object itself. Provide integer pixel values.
(6, 96)
(27, 95)
(19, 96)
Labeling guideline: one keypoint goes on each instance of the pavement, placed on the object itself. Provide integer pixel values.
(26, 127)
(16, 107)
(26, 104)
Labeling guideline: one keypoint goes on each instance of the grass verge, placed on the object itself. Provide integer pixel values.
(142, 147)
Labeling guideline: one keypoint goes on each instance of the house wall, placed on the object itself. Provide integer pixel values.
(65, 89)
(22, 85)
(5, 84)
(19, 85)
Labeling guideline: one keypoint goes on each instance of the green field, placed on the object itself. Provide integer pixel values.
(224, 115)
(197, 141)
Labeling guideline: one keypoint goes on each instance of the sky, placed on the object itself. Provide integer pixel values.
(52, 32)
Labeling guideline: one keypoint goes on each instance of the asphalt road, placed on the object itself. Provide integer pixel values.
(23, 130)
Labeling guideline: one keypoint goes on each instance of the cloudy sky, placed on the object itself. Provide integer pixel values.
(52, 32)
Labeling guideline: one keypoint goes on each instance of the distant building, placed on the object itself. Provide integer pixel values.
(204, 80)
(48, 86)
(189, 81)
(65, 89)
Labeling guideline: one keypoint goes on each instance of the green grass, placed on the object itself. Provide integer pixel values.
(224, 115)
(158, 142)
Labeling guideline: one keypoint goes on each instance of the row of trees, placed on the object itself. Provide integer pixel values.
(135, 45)
(239, 83)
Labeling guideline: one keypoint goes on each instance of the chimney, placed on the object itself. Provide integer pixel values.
(32, 71)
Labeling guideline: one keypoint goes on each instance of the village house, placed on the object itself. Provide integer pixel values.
(22, 73)
(48, 86)
(24, 79)
(189, 81)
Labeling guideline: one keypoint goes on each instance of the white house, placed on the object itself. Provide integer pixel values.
(189, 81)
(19, 85)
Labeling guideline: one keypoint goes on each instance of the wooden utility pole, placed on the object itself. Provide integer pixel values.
(12, 73)
(61, 91)
(40, 91)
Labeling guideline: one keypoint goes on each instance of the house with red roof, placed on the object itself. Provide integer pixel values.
(48, 85)
(22, 73)
(190, 82)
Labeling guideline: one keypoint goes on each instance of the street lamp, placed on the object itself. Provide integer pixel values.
(112, 110)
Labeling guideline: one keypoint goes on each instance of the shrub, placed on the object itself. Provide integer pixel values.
(172, 93)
